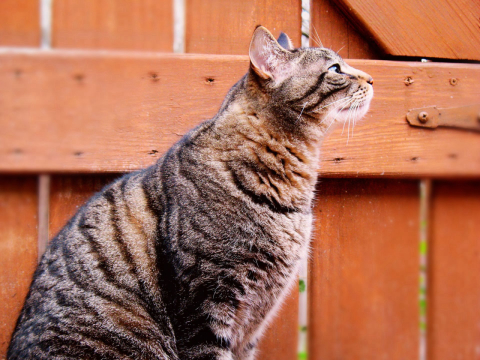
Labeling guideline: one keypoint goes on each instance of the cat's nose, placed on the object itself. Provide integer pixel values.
(370, 80)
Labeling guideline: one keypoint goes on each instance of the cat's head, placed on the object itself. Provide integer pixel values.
(306, 85)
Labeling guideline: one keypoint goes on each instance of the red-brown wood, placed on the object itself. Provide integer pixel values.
(281, 338)
(69, 192)
(453, 301)
(18, 249)
(330, 28)
(120, 111)
(363, 280)
(20, 23)
(225, 27)
(110, 24)
(430, 28)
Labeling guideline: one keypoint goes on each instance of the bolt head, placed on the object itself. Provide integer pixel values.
(423, 117)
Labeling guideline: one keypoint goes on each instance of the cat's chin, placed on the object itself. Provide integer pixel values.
(353, 114)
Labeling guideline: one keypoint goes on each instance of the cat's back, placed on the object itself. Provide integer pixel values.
(95, 293)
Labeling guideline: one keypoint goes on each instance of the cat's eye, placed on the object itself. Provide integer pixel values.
(334, 68)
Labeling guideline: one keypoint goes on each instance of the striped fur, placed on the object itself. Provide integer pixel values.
(191, 257)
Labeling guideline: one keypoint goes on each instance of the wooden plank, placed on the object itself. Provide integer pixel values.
(363, 281)
(453, 301)
(20, 23)
(18, 249)
(43, 194)
(328, 26)
(110, 24)
(281, 338)
(69, 192)
(88, 126)
(432, 28)
(225, 27)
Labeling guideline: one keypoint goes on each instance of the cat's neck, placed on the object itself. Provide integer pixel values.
(260, 125)
(266, 160)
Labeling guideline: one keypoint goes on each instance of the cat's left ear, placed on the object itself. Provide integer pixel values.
(267, 57)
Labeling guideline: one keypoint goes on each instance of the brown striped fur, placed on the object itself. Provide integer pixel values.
(191, 257)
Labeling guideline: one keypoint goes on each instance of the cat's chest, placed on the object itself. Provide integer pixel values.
(270, 277)
(268, 269)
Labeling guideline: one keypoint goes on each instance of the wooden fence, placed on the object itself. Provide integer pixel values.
(110, 97)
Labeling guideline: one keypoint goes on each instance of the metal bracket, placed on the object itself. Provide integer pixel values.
(464, 117)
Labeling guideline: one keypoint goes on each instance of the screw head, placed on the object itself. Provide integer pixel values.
(423, 117)
(408, 81)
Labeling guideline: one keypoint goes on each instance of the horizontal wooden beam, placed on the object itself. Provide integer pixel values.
(82, 111)
(429, 28)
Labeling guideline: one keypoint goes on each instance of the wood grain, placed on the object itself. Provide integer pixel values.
(110, 24)
(330, 28)
(20, 23)
(453, 301)
(432, 28)
(363, 280)
(225, 27)
(119, 112)
(281, 338)
(18, 249)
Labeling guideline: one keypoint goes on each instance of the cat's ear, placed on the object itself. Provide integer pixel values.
(285, 41)
(267, 57)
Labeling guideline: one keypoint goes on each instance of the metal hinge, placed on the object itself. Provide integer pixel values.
(464, 117)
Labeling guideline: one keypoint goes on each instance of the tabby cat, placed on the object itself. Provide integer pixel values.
(191, 257)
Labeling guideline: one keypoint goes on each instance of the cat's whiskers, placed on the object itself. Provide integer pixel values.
(332, 103)
(317, 40)
(338, 51)
(301, 112)
(344, 102)
(355, 115)
(347, 104)
(351, 115)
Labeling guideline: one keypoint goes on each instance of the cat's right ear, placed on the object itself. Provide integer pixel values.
(267, 57)
(285, 41)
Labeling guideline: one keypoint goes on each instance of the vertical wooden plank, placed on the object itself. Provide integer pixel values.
(69, 192)
(363, 280)
(281, 338)
(20, 23)
(453, 300)
(43, 213)
(225, 27)
(336, 32)
(18, 249)
(112, 24)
